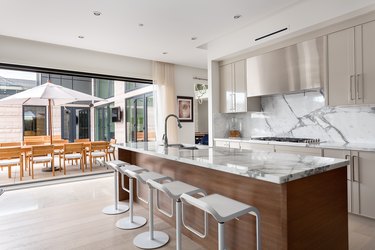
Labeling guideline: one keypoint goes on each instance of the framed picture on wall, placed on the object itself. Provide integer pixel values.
(185, 108)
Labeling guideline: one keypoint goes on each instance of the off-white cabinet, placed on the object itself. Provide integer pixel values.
(244, 145)
(227, 144)
(365, 177)
(257, 147)
(353, 187)
(351, 62)
(298, 150)
(361, 180)
(233, 94)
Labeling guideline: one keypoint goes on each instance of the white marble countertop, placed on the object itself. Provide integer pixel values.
(266, 166)
(329, 145)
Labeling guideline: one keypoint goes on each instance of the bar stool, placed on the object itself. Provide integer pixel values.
(174, 190)
(130, 222)
(224, 209)
(151, 239)
(116, 208)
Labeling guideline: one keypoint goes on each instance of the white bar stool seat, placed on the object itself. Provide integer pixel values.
(130, 222)
(150, 239)
(116, 208)
(224, 209)
(174, 190)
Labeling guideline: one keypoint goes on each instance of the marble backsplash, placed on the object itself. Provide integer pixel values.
(303, 115)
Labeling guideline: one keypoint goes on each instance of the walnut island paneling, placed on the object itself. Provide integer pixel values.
(302, 199)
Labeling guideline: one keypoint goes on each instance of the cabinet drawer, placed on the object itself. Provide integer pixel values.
(222, 144)
(257, 147)
(298, 150)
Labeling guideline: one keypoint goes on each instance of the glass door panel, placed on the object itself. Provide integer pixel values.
(130, 120)
(140, 118)
(150, 118)
(75, 123)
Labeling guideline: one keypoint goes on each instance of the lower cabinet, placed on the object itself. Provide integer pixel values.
(256, 146)
(298, 150)
(361, 180)
(353, 187)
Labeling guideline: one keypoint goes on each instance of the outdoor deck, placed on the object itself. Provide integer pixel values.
(39, 175)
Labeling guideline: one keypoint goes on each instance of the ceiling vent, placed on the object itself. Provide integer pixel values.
(271, 34)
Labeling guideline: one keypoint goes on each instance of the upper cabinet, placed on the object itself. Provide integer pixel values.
(233, 95)
(351, 62)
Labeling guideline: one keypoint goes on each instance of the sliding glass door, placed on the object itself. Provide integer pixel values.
(75, 123)
(104, 127)
(140, 124)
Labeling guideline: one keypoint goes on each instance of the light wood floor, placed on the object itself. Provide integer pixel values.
(68, 216)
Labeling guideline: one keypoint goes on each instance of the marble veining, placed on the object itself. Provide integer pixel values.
(266, 166)
(304, 115)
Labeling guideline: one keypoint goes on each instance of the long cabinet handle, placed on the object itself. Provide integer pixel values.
(347, 157)
(351, 87)
(355, 166)
(359, 97)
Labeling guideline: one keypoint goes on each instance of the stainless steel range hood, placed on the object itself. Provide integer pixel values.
(294, 68)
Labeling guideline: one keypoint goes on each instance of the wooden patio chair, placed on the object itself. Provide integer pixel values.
(82, 140)
(42, 154)
(11, 156)
(73, 151)
(97, 149)
(11, 144)
(111, 149)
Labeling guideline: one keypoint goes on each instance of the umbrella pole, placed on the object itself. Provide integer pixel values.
(50, 120)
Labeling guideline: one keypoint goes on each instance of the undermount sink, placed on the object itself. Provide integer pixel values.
(182, 146)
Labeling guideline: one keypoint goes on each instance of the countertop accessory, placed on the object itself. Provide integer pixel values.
(165, 136)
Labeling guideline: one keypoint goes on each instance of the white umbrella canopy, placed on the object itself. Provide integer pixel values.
(47, 94)
(40, 95)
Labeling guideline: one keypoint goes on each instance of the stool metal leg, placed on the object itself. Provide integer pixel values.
(221, 240)
(151, 239)
(131, 222)
(116, 208)
(178, 224)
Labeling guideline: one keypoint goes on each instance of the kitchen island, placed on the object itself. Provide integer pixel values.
(302, 199)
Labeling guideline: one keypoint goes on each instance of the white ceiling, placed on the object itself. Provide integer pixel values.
(169, 25)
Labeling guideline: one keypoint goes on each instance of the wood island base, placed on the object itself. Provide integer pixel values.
(308, 213)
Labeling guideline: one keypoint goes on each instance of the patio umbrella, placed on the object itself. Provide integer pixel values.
(47, 94)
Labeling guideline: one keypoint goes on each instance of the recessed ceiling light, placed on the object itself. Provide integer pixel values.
(237, 16)
(97, 13)
(140, 24)
(194, 38)
(81, 37)
(164, 53)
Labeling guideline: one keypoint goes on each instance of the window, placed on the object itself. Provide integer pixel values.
(104, 88)
(14, 81)
(78, 83)
(130, 86)
(34, 120)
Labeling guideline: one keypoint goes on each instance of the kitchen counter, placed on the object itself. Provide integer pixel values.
(328, 145)
(266, 166)
(302, 199)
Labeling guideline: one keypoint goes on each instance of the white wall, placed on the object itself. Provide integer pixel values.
(185, 87)
(38, 54)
